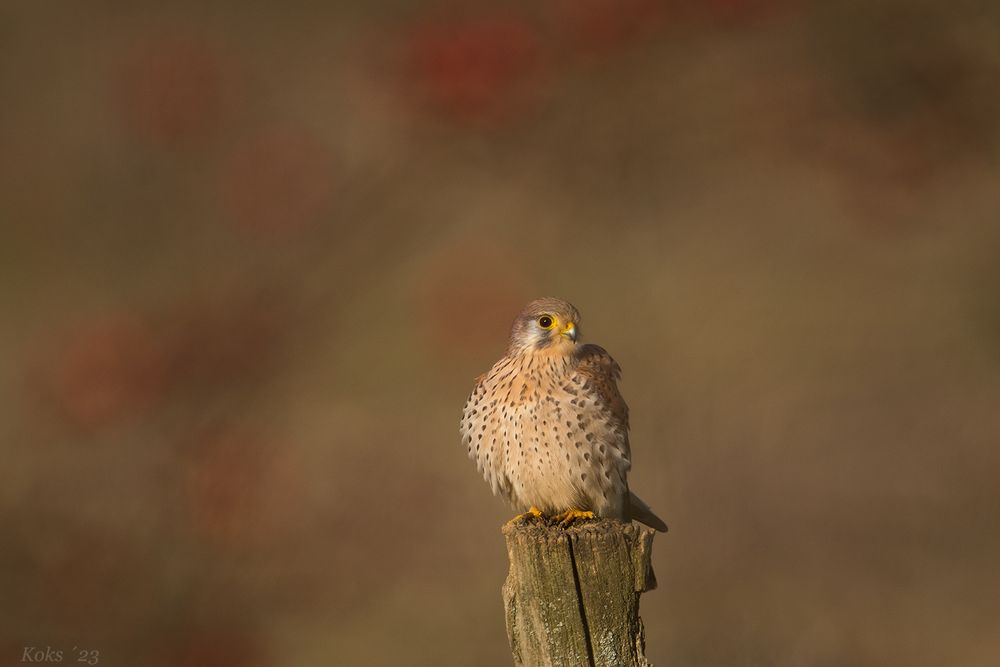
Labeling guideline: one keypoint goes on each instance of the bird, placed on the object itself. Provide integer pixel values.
(547, 426)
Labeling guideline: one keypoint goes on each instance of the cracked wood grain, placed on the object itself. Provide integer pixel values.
(572, 594)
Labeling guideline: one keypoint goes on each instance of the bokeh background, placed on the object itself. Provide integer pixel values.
(253, 257)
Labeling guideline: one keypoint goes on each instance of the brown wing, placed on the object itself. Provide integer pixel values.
(600, 374)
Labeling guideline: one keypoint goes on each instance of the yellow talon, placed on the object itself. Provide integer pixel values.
(532, 513)
(569, 516)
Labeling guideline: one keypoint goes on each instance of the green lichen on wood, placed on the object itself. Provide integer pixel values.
(572, 594)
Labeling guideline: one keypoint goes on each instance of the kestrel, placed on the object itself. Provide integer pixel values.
(547, 427)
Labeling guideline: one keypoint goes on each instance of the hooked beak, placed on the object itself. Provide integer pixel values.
(570, 331)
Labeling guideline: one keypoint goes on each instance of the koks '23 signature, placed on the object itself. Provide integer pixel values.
(49, 655)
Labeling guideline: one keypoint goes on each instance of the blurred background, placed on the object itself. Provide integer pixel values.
(252, 259)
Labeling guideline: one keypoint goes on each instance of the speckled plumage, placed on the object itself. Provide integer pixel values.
(546, 424)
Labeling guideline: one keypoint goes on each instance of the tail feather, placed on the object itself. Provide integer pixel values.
(640, 512)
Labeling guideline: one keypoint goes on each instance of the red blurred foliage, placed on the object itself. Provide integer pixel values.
(601, 26)
(480, 68)
(170, 90)
(279, 180)
(116, 367)
(111, 368)
(884, 169)
(470, 297)
(220, 341)
(222, 646)
(229, 483)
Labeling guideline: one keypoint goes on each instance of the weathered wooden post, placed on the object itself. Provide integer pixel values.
(572, 594)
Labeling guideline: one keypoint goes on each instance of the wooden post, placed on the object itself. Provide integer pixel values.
(572, 594)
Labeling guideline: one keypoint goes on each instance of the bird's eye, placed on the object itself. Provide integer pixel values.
(545, 322)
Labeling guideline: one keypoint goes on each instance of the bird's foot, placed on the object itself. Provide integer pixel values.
(570, 516)
(532, 514)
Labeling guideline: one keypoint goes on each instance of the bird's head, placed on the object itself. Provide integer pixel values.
(548, 324)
